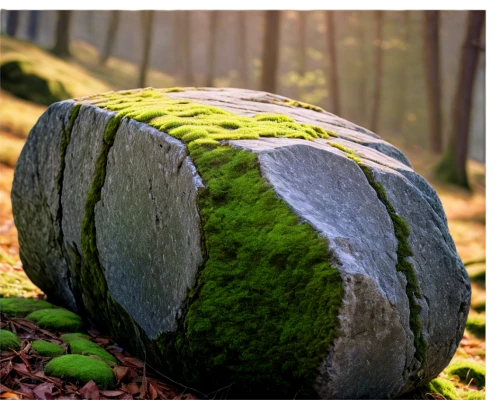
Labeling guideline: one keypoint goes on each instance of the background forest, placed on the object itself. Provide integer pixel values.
(413, 77)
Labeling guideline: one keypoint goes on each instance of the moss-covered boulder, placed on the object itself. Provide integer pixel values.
(22, 79)
(233, 237)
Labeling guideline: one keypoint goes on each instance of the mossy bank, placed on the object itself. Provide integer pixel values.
(237, 248)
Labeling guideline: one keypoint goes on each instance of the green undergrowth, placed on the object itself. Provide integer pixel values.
(57, 319)
(81, 369)
(20, 306)
(86, 347)
(468, 370)
(8, 341)
(402, 232)
(443, 387)
(265, 304)
(475, 396)
(476, 324)
(47, 349)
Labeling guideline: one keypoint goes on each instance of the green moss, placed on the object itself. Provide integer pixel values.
(8, 341)
(480, 307)
(467, 370)
(265, 305)
(296, 103)
(443, 387)
(402, 232)
(20, 306)
(86, 347)
(81, 369)
(476, 324)
(342, 148)
(47, 349)
(57, 319)
(475, 396)
(21, 78)
(68, 337)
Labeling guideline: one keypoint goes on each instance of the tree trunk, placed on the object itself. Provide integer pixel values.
(91, 27)
(147, 19)
(33, 24)
(186, 48)
(242, 45)
(403, 88)
(362, 68)
(301, 42)
(63, 26)
(271, 51)
(178, 40)
(114, 20)
(12, 22)
(452, 167)
(377, 97)
(331, 43)
(433, 74)
(212, 48)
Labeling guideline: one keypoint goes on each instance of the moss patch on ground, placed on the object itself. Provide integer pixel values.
(475, 396)
(81, 369)
(468, 370)
(476, 324)
(69, 337)
(57, 319)
(86, 347)
(47, 349)
(20, 306)
(442, 387)
(8, 341)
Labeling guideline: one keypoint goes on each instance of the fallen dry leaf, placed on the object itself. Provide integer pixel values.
(44, 391)
(120, 373)
(90, 391)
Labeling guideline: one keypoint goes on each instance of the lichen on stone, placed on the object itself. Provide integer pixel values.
(47, 349)
(8, 341)
(57, 319)
(81, 369)
(20, 306)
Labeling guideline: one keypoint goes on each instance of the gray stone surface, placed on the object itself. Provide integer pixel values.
(150, 244)
(331, 193)
(148, 227)
(36, 206)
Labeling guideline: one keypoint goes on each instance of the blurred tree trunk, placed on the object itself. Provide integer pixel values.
(212, 48)
(271, 51)
(377, 97)
(362, 67)
(114, 20)
(147, 20)
(302, 47)
(331, 43)
(63, 29)
(433, 74)
(33, 24)
(402, 112)
(178, 22)
(452, 167)
(12, 22)
(186, 48)
(89, 21)
(242, 45)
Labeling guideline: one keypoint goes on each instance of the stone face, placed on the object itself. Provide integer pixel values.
(151, 239)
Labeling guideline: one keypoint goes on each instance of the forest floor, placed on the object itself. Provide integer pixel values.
(466, 211)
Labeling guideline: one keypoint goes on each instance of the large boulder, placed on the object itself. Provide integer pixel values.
(240, 239)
